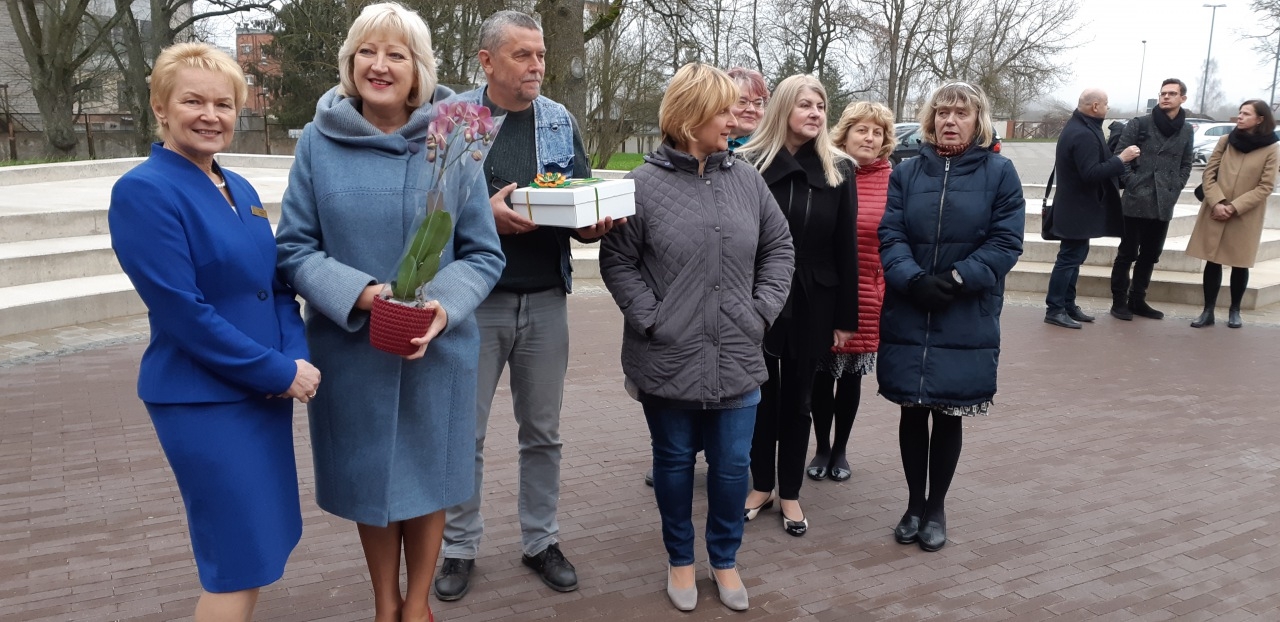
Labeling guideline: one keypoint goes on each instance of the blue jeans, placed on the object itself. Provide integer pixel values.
(1066, 271)
(529, 334)
(726, 437)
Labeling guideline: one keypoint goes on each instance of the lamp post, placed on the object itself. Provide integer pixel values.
(1141, 68)
(1274, 73)
(1204, 84)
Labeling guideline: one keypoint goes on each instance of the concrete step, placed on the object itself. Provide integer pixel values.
(1184, 219)
(39, 306)
(1166, 286)
(56, 259)
(1102, 252)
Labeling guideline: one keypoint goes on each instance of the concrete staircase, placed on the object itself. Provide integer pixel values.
(57, 267)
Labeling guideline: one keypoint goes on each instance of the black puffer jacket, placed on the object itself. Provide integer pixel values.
(699, 273)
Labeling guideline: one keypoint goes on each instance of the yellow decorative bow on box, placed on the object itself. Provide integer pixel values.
(557, 180)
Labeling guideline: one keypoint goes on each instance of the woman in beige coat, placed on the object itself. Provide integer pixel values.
(1237, 181)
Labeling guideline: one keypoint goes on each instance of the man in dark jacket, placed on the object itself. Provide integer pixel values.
(1086, 204)
(1152, 185)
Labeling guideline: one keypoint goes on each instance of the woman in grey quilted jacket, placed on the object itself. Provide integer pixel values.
(700, 272)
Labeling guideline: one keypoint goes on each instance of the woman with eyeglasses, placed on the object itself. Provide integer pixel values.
(952, 230)
(753, 95)
(813, 183)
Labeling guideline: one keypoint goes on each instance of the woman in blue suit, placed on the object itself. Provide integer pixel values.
(226, 339)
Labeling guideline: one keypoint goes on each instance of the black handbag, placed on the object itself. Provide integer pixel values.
(1046, 210)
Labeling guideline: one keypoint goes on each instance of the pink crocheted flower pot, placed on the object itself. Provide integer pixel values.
(392, 325)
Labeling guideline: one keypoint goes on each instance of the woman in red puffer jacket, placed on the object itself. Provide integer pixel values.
(865, 131)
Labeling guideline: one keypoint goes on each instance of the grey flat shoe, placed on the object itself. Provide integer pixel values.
(684, 599)
(733, 599)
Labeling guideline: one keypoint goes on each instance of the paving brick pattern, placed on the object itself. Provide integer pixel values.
(1128, 472)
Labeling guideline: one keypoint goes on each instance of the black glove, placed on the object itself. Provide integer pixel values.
(932, 292)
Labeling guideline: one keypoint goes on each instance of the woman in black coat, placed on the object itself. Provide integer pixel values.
(813, 184)
(952, 230)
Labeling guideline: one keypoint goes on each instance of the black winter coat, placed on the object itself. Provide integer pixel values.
(824, 229)
(965, 213)
(1156, 178)
(1087, 202)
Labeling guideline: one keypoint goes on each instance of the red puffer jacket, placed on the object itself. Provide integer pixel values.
(873, 190)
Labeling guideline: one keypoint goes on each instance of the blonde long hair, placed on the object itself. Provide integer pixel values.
(771, 137)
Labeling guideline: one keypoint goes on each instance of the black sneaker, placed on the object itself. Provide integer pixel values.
(648, 477)
(454, 578)
(554, 569)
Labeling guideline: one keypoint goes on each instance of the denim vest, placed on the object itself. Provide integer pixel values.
(553, 139)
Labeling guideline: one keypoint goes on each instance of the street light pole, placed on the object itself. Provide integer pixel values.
(1141, 68)
(1204, 84)
(1274, 73)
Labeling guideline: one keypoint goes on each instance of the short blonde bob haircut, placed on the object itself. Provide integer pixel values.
(391, 20)
(866, 112)
(175, 58)
(959, 94)
(771, 137)
(696, 94)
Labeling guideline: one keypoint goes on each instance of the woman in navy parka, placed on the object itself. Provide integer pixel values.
(952, 230)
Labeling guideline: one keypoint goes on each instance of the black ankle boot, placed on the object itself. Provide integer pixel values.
(1120, 308)
(1138, 306)
(1205, 319)
(1233, 318)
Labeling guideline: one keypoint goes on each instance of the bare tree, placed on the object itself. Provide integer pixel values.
(898, 30)
(1267, 42)
(625, 87)
(146, 30)
(57, 40)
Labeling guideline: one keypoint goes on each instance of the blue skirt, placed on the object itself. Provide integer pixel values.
(235, 468)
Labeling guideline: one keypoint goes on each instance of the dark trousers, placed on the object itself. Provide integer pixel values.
(1066, 271)
(781, 437)
(1141, 244)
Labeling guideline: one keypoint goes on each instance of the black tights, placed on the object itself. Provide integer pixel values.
(928, 456)
(1213, 282)
(835, 401)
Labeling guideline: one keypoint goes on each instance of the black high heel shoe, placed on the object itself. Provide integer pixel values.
(908, 528)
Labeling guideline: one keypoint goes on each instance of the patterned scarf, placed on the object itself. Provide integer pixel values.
(948, 151)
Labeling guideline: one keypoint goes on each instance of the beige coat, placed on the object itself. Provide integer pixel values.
(1245, 180)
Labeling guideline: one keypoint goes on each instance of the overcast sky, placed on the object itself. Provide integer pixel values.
(1177, 35)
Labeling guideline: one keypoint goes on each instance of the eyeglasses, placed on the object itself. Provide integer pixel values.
(1170, 94)
(757, 103)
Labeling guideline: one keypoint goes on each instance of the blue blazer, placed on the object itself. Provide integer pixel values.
(223, 327)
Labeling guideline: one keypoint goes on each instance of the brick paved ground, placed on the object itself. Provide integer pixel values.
(1128, 472)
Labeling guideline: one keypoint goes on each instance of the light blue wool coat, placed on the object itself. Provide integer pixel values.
(392, 439)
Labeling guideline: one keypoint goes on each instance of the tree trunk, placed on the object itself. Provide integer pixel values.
(59, 117)
(565, 81)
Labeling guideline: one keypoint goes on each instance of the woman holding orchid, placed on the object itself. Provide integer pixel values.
(392, 436)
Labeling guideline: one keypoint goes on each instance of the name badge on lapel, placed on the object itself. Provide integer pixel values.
(258, 211)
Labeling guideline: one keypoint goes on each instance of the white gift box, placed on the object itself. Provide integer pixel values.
(581, 204)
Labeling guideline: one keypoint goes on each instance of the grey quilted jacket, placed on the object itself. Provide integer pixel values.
(699, 273)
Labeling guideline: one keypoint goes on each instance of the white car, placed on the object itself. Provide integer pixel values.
(1206, 136)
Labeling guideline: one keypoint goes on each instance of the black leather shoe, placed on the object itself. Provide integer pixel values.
(817, 469)
(1205, 319)
(454, 578)
(1233, 318)
(838, 469)
(1121, 312)
(1079, 315)
(648, 477)
(908, 528)
(1060, 318)
(554, 569)
(1140, 307)
(933, 534)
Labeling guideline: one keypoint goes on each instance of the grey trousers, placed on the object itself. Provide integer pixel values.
(531, 332)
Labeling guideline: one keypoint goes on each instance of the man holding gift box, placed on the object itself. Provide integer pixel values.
(524, 321)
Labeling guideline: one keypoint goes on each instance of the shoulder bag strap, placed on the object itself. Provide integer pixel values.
(1048, 188)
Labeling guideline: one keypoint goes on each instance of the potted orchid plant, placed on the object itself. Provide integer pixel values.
(458, 139)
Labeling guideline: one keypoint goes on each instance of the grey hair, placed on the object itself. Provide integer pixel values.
(495, 27)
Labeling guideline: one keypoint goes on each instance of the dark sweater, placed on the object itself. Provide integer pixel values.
(533, 258)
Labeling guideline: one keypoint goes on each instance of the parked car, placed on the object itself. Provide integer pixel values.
(1203, 150)
(904, 128)
(909, 144)
(1206, 136)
